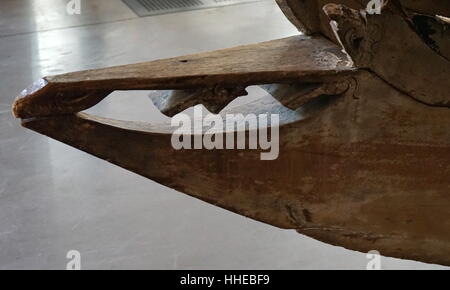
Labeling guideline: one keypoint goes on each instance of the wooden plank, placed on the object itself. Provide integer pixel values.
(282, 60)
(293, 59)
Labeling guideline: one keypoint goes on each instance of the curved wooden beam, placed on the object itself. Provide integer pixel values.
(365, 170)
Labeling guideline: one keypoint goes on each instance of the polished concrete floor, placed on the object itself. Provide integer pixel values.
(54, 199)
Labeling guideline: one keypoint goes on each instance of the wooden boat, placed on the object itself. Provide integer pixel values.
(364, 159)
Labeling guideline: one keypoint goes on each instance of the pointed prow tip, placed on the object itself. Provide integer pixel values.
(23, 104)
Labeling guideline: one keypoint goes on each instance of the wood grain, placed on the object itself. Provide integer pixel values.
(293, 59)
(366, 170)
(364, 150)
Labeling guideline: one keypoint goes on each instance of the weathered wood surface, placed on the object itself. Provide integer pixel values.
(365, 153)
(429, 7)
(407, 50)
(285, 59)
(292, 59)
(366, 170)
(388, 46)
(308, 15)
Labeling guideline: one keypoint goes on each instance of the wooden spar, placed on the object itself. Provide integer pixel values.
(293, 59)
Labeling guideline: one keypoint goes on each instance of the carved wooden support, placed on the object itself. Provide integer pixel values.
(215, 99)
(295, 95)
